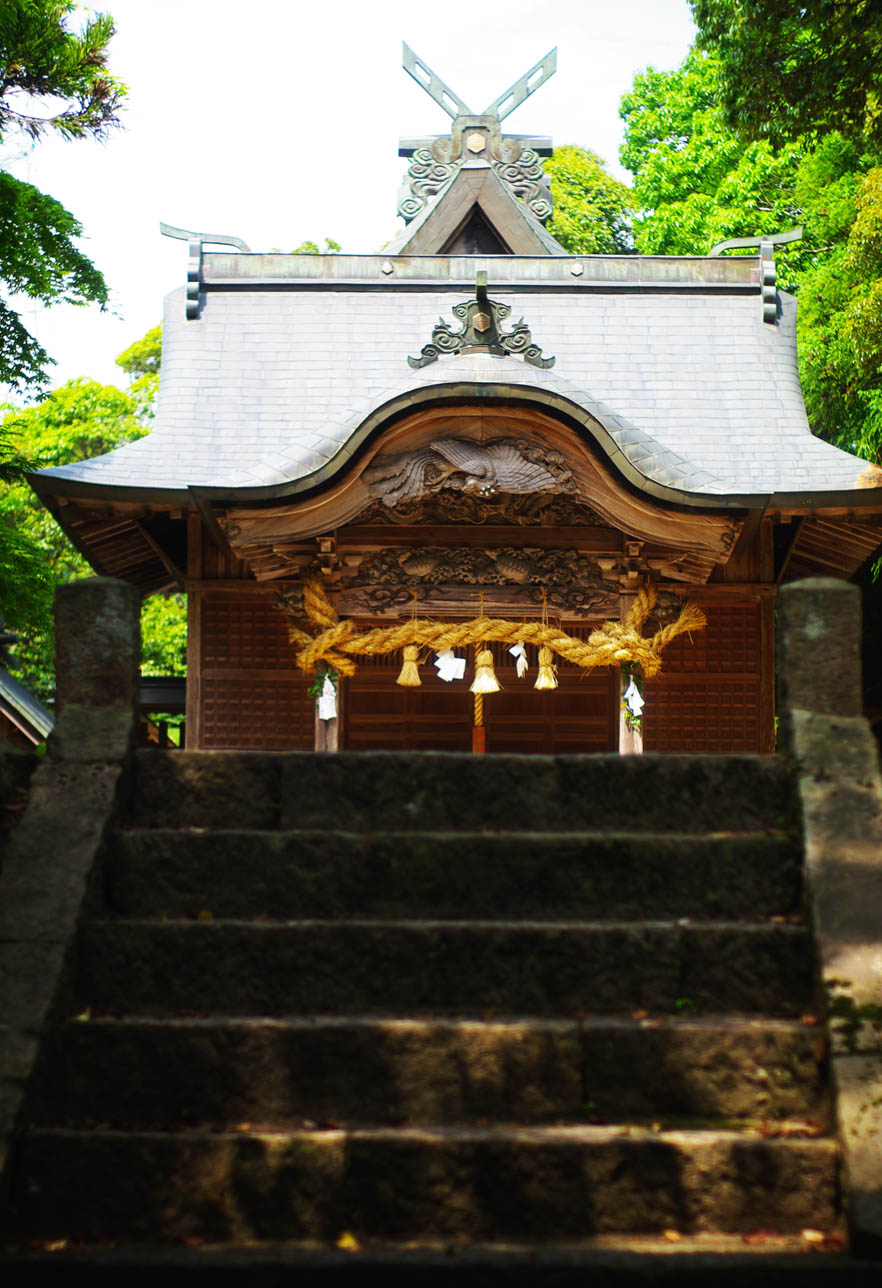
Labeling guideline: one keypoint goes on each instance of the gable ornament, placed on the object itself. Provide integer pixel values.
(481, 332)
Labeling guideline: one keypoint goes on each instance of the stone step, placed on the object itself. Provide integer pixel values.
(242, 873)
(763, 1260)
(437, 791)
(339, 1070)
(539, 1184)
(426, 968)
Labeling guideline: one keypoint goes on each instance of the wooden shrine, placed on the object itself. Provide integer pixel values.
(475, 424)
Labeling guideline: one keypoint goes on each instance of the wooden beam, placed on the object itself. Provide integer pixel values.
(169, 564)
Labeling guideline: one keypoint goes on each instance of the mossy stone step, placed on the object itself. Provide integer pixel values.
(241, 873)
(438, 791)
(163, 1073)
(467, 968)
(542, 1184)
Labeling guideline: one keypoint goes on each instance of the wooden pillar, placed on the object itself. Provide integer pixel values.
(328, 732)
(630, 739)
(193, 712)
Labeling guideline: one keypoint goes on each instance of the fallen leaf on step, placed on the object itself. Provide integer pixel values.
(673, 1236)
(813, 1236)
(348, 1242)
(639, 1015)
(792, 1127)
(757, 1238)
(810, 1020)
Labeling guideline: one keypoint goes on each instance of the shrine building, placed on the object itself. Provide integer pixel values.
(474, 425)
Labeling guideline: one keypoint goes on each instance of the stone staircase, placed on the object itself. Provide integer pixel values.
(385, 1005)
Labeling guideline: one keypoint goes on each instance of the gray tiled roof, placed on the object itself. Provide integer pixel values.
(34, 714)
(694, 391)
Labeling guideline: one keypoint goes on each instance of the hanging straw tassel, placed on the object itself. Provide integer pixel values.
(410, 673)
(485, 680)
(546, 679)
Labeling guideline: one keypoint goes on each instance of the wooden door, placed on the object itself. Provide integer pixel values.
(581, 715)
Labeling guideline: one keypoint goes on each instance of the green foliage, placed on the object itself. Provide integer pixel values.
(695, 182)
(591, 209)
(81, 419)
(43, 62)
(312, 248)
(840, 320)
(44, 65)
(39, 259)
(797, 69)
(141, 363)
(164, 635)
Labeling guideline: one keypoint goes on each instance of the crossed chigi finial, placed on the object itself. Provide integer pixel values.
(501, 107)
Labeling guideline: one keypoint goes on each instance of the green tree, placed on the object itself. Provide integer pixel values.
(141, 363)
(312, 248)
(695, 181)
(698, 183)
(797, 69)
(52, 81)
(591, 209)
(840, 298)
(75, 422)
(80, 419)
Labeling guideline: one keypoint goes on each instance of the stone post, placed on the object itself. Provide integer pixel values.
(840, 790)
(51, 860)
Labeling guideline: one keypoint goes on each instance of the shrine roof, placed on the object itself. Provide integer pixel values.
(293, 360)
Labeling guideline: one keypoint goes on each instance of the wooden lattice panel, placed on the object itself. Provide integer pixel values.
(256, 712)
(252, 696)
(712, 714)
(729, 643)
(713, 692)
(239, 631)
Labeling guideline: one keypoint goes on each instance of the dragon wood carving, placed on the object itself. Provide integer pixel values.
(571, 581)
(510, 465)
(548, 508)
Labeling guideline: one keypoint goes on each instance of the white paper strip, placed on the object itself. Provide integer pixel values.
(519, 653)
(633, 699)
(327, 703)
(450, 667)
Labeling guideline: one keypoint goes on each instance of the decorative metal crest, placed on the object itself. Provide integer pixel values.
(482, 332)
(527, 180)
(476, 137)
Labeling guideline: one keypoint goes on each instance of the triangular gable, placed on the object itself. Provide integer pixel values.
(476, 194)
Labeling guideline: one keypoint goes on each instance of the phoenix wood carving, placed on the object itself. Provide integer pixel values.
(510, 465)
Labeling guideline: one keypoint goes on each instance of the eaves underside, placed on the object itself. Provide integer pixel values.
(869, 499)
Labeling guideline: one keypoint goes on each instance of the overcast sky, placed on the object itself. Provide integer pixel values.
(279, 122)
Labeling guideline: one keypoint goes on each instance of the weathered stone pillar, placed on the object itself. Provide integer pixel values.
(840, 790)
(50, 861)
(819, 647)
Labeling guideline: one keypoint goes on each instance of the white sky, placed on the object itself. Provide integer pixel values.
(271, 121)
